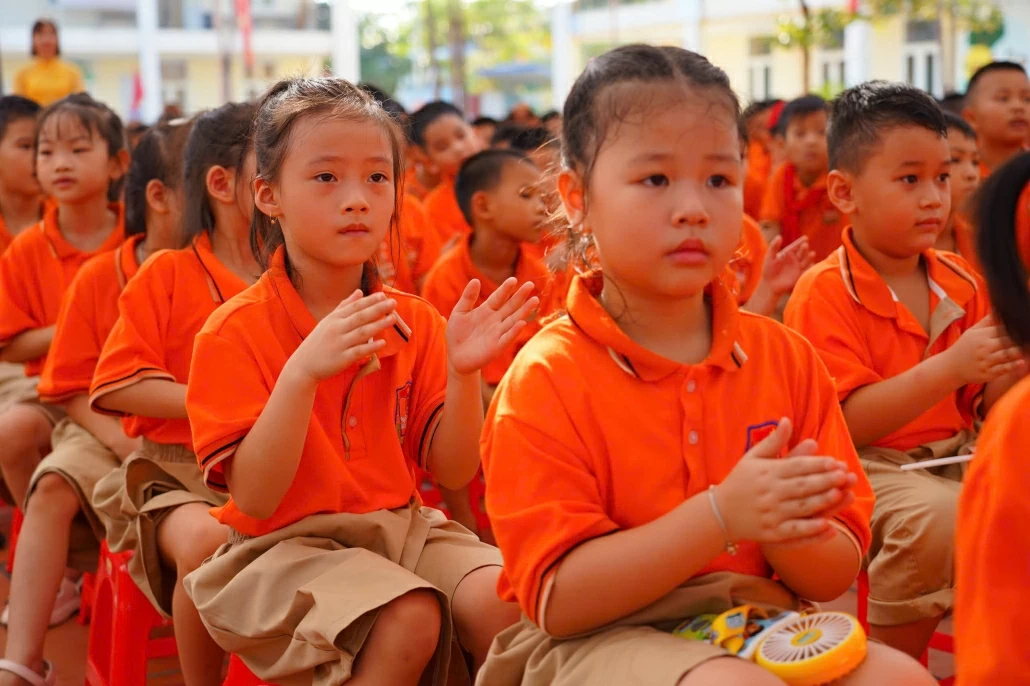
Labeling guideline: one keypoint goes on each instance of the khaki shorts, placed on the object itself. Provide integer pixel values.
(297, 604)
(638, 650)
(81, 460)
(15, 389)
(132, 500)
(911, 560)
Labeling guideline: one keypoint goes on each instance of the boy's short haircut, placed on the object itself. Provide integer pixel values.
(15, 107)
(803, 106)
(485, 121)
(482, 172)
(424, 118)
(529, 140)
(953, 102)
(506, 133)
(956, 122)
(548, 116)
(991, 68)
(861, 115)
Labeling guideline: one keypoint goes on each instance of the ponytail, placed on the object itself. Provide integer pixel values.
(998, 205)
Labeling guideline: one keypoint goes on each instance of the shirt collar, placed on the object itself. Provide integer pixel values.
(62, 249)
(125, 259)
(587, 313)
(396, 337)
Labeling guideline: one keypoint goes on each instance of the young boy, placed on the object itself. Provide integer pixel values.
(904, 332)
(498, 192)
(756, 122)
(442, 133)
(545, 150)
(485, 128)
(957, 235)
(998, 107)
(796, 203)
(21, 200)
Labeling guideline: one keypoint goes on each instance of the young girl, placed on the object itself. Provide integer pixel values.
(631, 450)
(80, 159)
(315, 394)
(157, 504)
(993, 546)
(86, 446)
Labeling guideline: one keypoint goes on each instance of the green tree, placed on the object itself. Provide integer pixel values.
(385, 51)
(811, 28)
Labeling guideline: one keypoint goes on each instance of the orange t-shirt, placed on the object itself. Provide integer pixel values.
(36, 271)
(865, 336)
(443, 213)
(413, 186)
(6, 237)
(370, 426)
(747, 262)
(159, 313)
(452, 273)
(87, 317)
(992, 552)
(809, 208)
(759, 165)
(564, 438)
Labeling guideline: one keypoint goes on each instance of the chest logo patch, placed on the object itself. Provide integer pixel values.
(756, 433)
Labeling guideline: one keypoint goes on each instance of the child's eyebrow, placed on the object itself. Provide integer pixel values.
(322, 159)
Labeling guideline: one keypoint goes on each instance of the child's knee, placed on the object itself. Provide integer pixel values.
(412, 621)
(885, 665)
(729, 671)
(188, 536)
(934, 529)
(24, 429)
(53, 495)
(476, 595)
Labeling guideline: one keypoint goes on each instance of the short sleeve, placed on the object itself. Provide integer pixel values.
(837, 339)
(428, 389)
(16, 311)
(75, 349)
(773, 200)
(135, 348)
(221, 418)
(541, 493)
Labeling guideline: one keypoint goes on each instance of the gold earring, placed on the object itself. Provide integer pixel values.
(275, 220)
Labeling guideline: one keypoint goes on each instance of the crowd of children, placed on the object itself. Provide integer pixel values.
(251, 350)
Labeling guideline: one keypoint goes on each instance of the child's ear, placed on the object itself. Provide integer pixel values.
(970, 116)
(570, 186)
(157, 196)
(266, 199)
(839, 188)
(221, 184)
(481, 205)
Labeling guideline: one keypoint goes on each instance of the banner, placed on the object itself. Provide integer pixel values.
(245, 24)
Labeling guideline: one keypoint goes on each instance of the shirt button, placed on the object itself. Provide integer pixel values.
(692, 437)
(353, 421)
(691, 385)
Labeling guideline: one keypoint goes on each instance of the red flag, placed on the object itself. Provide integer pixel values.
(243, 20)
(137, 92)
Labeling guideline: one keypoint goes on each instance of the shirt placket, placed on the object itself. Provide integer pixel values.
(693, 429)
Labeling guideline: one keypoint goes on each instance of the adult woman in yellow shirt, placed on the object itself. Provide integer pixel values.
(48, 78)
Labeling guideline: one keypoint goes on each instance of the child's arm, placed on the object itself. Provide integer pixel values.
(158, 398)
(780, 271)
(475, 335)
(268, 457)
(980, 355)
(28, 345)
(820, 569)
(107, 430)
(993, 390)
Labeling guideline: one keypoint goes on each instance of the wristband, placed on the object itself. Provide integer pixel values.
(731, 547)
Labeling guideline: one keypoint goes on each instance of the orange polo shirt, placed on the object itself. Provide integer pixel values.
(992, 553)
(444, 215)
(759, 166)
(452, 273)
(564, 438)
(865, 336)
(413, 186)
(6, 237)
(35, 273)
(160, 312)
(87, 317)
(818, 219)
(746, 265)
(370, 426)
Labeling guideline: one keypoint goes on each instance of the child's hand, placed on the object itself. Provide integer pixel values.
(476, 336)
(770, 500)
(344, 336)
(783, 268)
(984, 353)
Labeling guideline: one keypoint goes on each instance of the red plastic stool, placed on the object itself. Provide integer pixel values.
(939, 641)
(119, 635)
(239, 675)
(16, 521)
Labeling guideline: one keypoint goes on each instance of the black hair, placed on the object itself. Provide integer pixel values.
(756, 107)
(953, 102)
(15, 108)
(485, 121)
(991, 68)
(391, 105)
(219, 137)
(997, 206)
(482, 172)
(802, 107)
(506, 134)
(956, 122)
(863, 114)
(38, 26)
(158, 155)
(549, 115)
(596, 104)
(98, 119)
(424, 118)
(530, 140)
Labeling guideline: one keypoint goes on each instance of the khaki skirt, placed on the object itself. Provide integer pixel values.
(639, 649)
(132, 500)
(82, 461)
(297, 604)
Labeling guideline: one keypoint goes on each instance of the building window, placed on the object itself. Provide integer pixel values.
(923, 67)
(832, 69)
(760, 49)
(918, 31)
(175, 83)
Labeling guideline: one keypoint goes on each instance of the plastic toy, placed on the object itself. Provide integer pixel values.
(802, 649)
